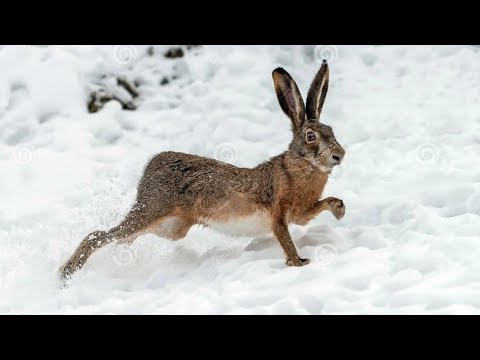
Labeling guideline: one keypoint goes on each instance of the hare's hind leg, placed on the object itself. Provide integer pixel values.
(93, 242)
(135, 224)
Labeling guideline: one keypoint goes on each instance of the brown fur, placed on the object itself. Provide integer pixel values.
(180, 190)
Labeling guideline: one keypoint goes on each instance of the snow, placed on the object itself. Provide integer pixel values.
(408, 117)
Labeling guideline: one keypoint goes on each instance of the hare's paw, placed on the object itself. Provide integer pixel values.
(298, 262)
(65, 272)
(64, 275)
(337, 207)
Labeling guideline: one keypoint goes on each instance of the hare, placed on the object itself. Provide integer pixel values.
(180, 190)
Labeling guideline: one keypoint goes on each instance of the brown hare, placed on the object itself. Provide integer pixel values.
(180, 190)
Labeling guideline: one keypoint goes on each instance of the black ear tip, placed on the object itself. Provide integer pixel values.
(324, 62)
(279, 70)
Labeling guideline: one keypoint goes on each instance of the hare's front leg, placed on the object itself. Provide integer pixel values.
(334, 205)
(280, 230)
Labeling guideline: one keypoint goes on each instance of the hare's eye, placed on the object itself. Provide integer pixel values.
(311, 137)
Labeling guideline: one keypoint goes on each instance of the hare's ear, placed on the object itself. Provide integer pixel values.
(317, 93)
(289, 97)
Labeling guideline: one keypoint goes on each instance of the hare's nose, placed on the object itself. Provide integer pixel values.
(337, 158)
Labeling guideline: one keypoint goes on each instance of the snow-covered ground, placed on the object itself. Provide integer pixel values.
(409, 118)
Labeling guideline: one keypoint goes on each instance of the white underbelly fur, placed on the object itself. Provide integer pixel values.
(257, 224)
